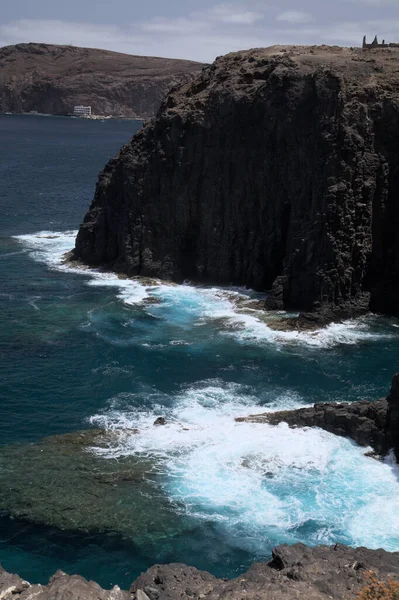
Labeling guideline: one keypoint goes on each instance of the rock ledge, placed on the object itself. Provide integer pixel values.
(294, 573)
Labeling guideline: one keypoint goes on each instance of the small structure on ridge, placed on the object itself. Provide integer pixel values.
(376, 44)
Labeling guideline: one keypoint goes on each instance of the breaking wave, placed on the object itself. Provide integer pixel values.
(228, 310)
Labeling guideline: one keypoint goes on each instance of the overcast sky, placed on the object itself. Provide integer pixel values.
(198, 30)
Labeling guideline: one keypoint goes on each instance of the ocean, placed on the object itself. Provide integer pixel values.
(83, 349)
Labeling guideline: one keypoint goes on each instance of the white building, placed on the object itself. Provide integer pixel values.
(82, 111)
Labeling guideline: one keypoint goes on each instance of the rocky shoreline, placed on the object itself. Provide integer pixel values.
(374, 424)
(276, 169)
(294, 572)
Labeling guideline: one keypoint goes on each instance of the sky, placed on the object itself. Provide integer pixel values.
(196, 30)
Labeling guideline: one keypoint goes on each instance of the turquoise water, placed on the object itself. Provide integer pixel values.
(82, 348)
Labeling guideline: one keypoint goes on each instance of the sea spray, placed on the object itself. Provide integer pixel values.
(259, 484)
(186, 306)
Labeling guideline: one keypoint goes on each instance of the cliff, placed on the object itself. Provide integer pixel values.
(294, 573)
(53, 79)
(275, 169)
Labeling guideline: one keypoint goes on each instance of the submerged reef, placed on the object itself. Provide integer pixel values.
(64, 482)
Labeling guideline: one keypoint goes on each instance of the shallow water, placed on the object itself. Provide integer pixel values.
(82, 348)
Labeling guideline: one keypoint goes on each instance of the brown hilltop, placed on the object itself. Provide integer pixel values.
(52, 79)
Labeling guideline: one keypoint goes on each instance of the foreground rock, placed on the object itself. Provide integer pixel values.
(53, 79)
(295, 572)
(60, 587)
(373, 424)
(275, 168)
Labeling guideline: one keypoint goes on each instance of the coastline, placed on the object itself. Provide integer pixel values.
(91, 118)
(294, 572)
(158, 375)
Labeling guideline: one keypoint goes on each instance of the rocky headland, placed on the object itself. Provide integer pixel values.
(374, 424)
(275, 169)
(52, 79)
(295, 572)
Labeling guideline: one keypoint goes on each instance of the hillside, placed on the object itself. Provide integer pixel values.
(52, 79)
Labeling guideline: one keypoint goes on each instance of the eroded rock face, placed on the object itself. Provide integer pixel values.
(275, 170)
(295, 572)
(393, 416)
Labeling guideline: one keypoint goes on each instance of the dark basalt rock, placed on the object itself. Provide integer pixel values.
(364, 422)
(373, 424)
(392, 426)
(295, 572)
(275, 170)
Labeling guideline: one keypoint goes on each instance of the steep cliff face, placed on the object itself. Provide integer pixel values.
(53, 79)
(276, 169)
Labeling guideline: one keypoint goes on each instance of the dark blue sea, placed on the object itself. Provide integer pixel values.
(82, 349)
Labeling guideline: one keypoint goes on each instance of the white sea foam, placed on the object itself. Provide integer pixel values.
(187, 306)
(50, 247)
(257, 482)
(8, 254)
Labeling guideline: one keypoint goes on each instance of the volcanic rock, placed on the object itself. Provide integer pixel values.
(52, 79)
(373, 424)
(276, 169)
(294, 573)
(392, 426)
(61, 587)
(363, 421)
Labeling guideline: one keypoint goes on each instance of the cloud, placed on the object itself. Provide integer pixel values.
(179, 38)
(173, 26)
(377, 3)
(59, 32)
(201, 35)
(207, 33)
(229, 13)
(294, 16)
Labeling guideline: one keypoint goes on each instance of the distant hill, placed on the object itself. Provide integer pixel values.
(52, 79)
